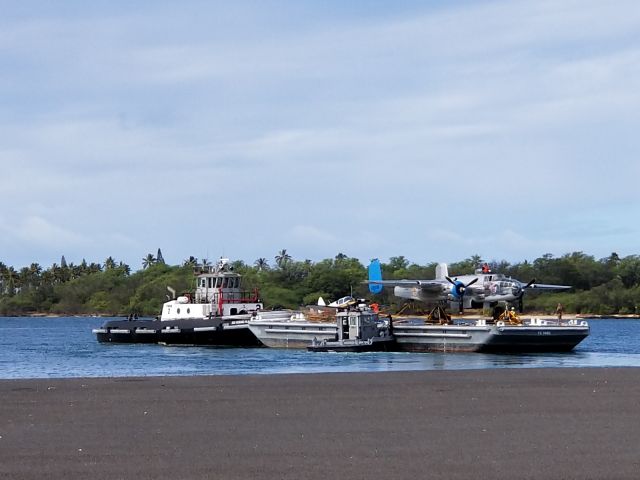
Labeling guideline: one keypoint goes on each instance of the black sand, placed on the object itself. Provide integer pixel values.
(503, 424)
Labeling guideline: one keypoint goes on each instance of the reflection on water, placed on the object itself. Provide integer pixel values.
(65, 347)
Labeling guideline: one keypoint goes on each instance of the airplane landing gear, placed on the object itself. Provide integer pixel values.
(439, 315)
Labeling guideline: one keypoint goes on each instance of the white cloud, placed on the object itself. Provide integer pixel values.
(459, 114)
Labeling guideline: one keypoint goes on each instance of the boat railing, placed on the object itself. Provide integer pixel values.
(218, 297)
(547, 322)
(236, 297)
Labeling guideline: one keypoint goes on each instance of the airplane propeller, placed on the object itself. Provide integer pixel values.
(458, 290)
(522, 289)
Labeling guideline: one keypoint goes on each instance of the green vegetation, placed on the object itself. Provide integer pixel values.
(606, 286)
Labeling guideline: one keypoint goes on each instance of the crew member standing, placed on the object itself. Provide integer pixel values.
(559, 311)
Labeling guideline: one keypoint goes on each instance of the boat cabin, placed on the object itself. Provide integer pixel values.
(358, 324)
(218, 292)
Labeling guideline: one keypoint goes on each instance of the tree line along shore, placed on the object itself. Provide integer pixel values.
(606, 286)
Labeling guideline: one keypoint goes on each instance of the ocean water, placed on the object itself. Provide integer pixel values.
(65, 347)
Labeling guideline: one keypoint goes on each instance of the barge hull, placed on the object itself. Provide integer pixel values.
(224, 337)
(533, 340)
(203, 332)
(494, 339)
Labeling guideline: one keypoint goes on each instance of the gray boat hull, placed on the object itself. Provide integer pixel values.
(292, 334)
(488, 338)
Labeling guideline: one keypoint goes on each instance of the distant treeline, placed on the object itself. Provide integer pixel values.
(609, 285)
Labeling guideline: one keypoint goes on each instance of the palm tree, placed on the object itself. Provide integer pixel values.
(56, 273)
(47, 278)
(13, 281)
(124, 267)
(109, 263)
(190, 262)
(94, 267)
(36, 271)
(148, 261)
(261, 264)
(3, 272)
(282, 258)
(84, 267)
(24, 277)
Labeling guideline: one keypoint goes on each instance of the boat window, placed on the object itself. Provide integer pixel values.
(225, 282)
(178, 311)
(210, 282)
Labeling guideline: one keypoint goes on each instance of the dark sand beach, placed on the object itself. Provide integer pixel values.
(502, 423)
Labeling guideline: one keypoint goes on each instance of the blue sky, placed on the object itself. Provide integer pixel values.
(433, 130)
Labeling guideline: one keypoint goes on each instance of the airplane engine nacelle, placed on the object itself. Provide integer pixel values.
(457, 289)
(411, 293)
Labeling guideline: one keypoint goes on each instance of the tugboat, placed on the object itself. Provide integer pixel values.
(359, 330)
(217, 314)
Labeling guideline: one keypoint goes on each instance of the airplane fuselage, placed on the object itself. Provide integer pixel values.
(489, 288)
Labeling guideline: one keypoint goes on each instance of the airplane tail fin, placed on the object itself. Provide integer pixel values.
(442, 271)
(375, 275)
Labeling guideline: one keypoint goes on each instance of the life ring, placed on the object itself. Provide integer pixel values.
(500, 323)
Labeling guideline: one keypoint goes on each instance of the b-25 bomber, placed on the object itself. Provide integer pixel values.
(483, 289)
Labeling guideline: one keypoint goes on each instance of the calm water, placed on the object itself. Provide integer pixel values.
(65, 347)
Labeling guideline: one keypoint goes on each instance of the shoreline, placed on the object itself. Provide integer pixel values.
(570, 423)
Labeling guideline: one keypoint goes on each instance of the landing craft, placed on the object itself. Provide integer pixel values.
(482, 289)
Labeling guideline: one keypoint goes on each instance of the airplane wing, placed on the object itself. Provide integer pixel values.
(545, 286)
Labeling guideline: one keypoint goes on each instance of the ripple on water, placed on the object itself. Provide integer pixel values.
(65, 347)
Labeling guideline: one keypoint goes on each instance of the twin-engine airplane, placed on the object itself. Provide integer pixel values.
(484, 289)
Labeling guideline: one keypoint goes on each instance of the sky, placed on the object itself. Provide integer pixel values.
(433, 130)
